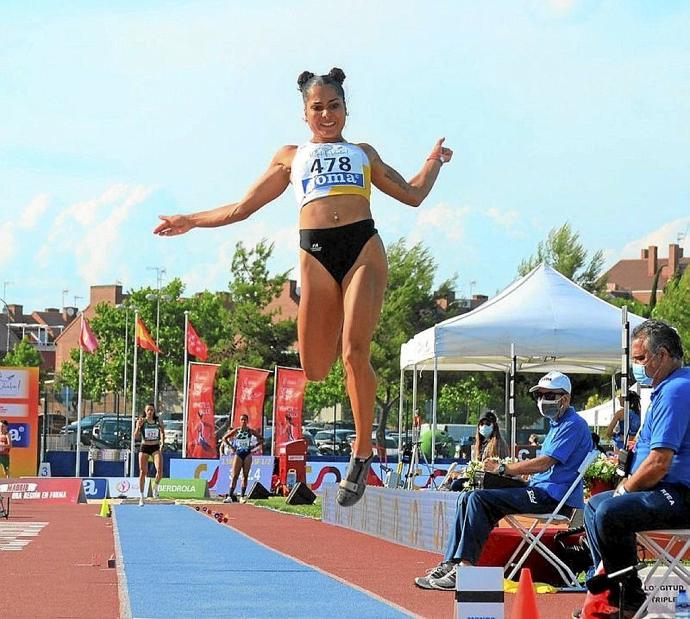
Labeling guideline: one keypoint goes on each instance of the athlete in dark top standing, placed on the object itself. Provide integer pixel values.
(343, 262)
(240, 441)
(150, 428)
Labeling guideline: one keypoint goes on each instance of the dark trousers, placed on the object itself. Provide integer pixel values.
(478, 512)
(612, 522)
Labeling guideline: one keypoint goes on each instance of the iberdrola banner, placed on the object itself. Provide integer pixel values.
(250, 393)
(289, 389)
(201, 426)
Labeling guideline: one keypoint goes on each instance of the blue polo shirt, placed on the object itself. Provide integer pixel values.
(667, 426)
(568, 441)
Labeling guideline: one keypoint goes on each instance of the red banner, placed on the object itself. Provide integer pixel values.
(290, 383)
(250, 393)
(201, 426)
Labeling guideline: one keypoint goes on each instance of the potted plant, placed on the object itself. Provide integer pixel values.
(601, 475)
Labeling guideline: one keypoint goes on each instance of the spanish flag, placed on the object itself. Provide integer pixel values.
(143, 337)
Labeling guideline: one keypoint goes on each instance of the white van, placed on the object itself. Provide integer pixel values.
(462, 433)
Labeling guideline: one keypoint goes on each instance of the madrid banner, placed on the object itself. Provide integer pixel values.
(287, 411)
(201, 427)
(19, 407)
(250, 393)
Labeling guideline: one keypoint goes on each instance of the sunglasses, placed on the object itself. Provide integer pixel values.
(549, 395)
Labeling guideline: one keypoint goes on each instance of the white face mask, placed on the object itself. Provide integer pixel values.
(549, 408)
(486, 431)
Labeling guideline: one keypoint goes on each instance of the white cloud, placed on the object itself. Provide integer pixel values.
(92, 231)
(33, 211)
(662, 237)
(7, 243)
(443, 219)
(508, 220)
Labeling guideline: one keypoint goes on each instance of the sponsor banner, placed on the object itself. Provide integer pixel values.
(289, 388)
(182, 489)
(19, 433)
(95, 487)
(201, 434)
(250, 393)
(19, 405)
(215, 472)
(15, 384)
(409, 517)
(10, 411)
(126, 487)
(45, 489)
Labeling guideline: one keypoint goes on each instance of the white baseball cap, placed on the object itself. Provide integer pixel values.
(553, 381)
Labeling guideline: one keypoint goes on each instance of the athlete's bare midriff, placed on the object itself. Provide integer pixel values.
(334, 211)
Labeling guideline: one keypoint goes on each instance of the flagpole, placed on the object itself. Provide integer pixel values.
(184, 387)
(273, 421)
(234, 396)
(79, 402)
(134, 394)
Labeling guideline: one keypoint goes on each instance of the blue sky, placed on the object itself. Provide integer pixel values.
(112, 113)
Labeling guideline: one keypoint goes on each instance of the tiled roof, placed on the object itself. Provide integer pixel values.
(632, 274)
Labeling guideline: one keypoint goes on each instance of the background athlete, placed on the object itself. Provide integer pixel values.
(343, 267)
(150, 429)
(5, 447)
(240, 441)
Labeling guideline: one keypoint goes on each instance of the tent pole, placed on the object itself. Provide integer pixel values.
(506, 400)
(433, 413)
(511, 401)
(625, 362)
(401, 408)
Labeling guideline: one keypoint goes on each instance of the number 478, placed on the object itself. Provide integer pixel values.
(344, 164)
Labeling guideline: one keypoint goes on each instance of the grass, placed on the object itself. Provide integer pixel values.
(278, 503)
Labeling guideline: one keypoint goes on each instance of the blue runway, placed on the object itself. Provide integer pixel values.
(178, 562)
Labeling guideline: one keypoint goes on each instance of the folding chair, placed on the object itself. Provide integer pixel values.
(668, 558)
(534, 542)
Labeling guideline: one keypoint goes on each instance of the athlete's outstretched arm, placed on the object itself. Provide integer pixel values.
(410, 192)
(270, 185)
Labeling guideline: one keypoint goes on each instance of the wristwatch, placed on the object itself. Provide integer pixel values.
(501, 469)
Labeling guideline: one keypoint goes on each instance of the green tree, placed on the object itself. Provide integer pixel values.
(563, 251)
(23, 354)
(462, 401)
(674, 308)
(328, 392)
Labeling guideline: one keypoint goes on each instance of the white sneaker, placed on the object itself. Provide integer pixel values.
(141, 501)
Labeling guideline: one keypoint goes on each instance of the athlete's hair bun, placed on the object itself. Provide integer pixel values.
(303, 78)
(337, 75)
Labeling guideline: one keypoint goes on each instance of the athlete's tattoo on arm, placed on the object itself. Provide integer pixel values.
(395, 177)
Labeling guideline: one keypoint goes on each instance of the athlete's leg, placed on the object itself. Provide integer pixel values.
(158, 463)
(236, 468)
(246, 465)
(319, 318)
(143, 469)
(363, 290)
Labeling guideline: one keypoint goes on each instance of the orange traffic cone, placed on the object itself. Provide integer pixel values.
(525, 606)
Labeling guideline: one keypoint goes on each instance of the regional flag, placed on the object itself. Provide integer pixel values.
(195, 345)
(87, 339)
(143, 337)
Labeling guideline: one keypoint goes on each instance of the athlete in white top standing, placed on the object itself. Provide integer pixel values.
(343, 262)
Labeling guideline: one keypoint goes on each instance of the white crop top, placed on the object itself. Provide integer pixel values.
(332, 169)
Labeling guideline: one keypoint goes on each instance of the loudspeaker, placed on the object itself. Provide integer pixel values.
(300, 494)
(258, 491)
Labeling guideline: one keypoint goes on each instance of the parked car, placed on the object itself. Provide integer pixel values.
(312, 449)
(111, 432)
(330, 442)
(173, 434)
(87, 424)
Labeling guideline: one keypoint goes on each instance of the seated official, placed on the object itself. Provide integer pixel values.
(657, 493)
(566, 445)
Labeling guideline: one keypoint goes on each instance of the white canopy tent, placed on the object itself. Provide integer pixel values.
(541, 322)
(600, 415)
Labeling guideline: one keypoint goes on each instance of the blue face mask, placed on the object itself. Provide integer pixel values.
(486, 431)
(640, 374)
